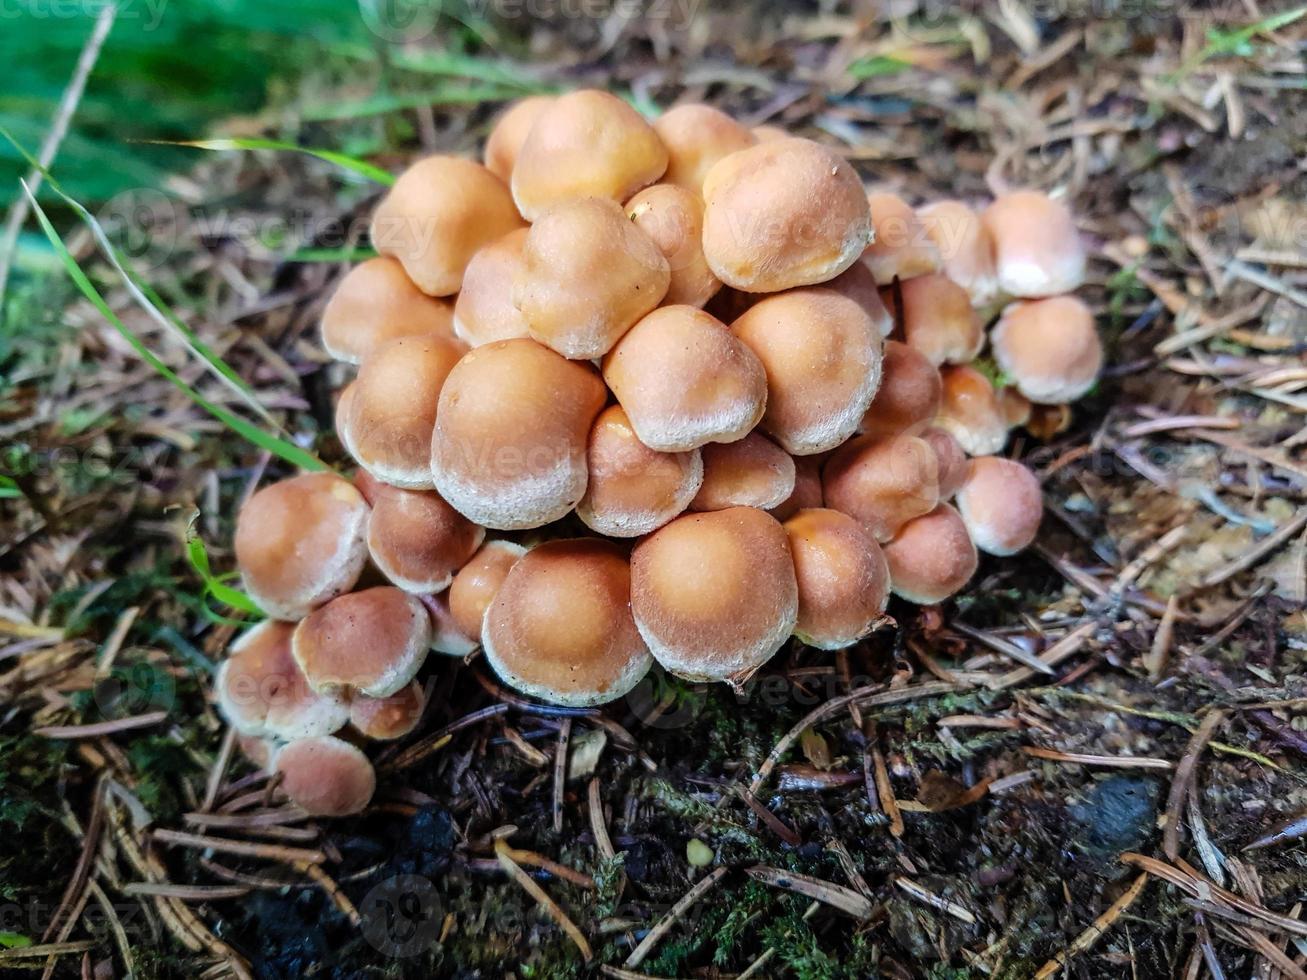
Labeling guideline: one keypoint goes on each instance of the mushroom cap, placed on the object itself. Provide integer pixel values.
(388, 718)
(766, 132)
(931, 558)
(587, 275)
(509, 444)
(750, 472)
(392, 410)
(262, 692)
(375, 303)
(510, 132)
(965, 247)
(634, 489)
(478, 581)
(484, 311)
(1037, 249)
(446, 635)
(560, 626)
(822, 355)
(696, 137)
(807, 488)
(1049, 347)
(882, 483)
(300, 542)
(344, 405)
(326, 776)
(685, 379)
(909, 395)
(1001, 504)
(842, 576)
(672, 217)
(970, 411)
(901, 247)
(783, 213)
(373, 641)
(714, 595)
(585, 144)
(952, 460)
(857, 283)
(439, 212)
(418, 541)
(1015, 407)
(938, 319)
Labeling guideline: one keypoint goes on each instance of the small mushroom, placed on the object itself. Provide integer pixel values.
(857, 283)
(901, 248)
(446, 635)
(477, 582)
(1049, 348)
(696, 137)
(672, 217)
(301, 542)
(931, 558)
(1015, 407)
(965, 248)
(842, 576)
(766, 133)
(417, 540)
(375, 303)
(325, 776)
(807, 488)
(952, 460)
(388, 718)
(750, 472)
(340, 419)
(1001, 504)
(1037, 249)
(714, 595)
(484, 311)
(560, 626)
(439, 212)
(373, 641)
(882, 483)
(970, 411)
(908, 398)
(937, 319)
(510, 132)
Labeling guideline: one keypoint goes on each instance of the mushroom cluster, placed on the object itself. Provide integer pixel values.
(631, 392)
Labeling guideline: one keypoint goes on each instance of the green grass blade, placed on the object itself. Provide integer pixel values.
(356, 254)
(380, 105)
(360, 167)
(213, 584)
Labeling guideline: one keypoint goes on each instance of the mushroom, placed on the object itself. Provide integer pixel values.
(1015, 407)
(634, 489)
(822, 355)
(1037, 249)
(1049, 348)
(477, 582)
(509, 444)
(510, 132)
(585, 144)
(325, 776)
(965, 248)
(937, 319)
(783, 213)
(696, 137)
(765, 133)
(1001, 504)
(970, 411)
(375, 303)
(340, 419)
(685, 380)
(672, 217)
(560, 626)
(807, 488)
(262, 692)
(587, 275)
(373, 641)
(484, 311)
(750, 472)
(931, 558)
(418, 541)
(952, 460)
(439, 212)
(388, 718)
(856, 282)
(300, 542)
(901, 248)
(842, 576)
(392, 410)
(714, 595)
(882, 483)
(446, 635)
(909, 395)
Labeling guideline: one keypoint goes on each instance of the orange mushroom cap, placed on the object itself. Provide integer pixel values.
(672, 217)
(484, 311)
(883, 483)
(373, 641)
(970, 411)
(696, 137)
(1049, 347)
(938, 319)
(419, 541)
(510, 132)
(478, 581)
(842, 576)
(965, 248)
(751, 472)
(1001, 504)
(325, 776)
(909, 395)
(901, 247)
(931, 558)
(375, 303)
(1037, 249)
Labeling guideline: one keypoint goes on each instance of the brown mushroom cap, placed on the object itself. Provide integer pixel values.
(882, 483)
(807, 488)
(440, 211)
(510, 132)
(842, 575)
(585, 144)
(909, 395)
(1037, 249)
(953, 462)
(484, 311)
(781, 214)
(822, 355)
(344, 405)
(634, 489)
(560, 627)
(901, 247)
(510, 435)
(938, 319)
(685, 380)
(765, 132)
(1001, 504)
(325, 776)
(672, 217)
(418, 541)
(388, 718)
(856, 282)
(1049, 347)
(696, 137)
(714, 595)
(931, 558)
(373, 641)
(1015, 407)
(750, 472)
(478, 581)
(446, 635)
(965, 248)
(375, 303)
(970, 411)
(262, 692)
(300, 542)
(587, 275)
